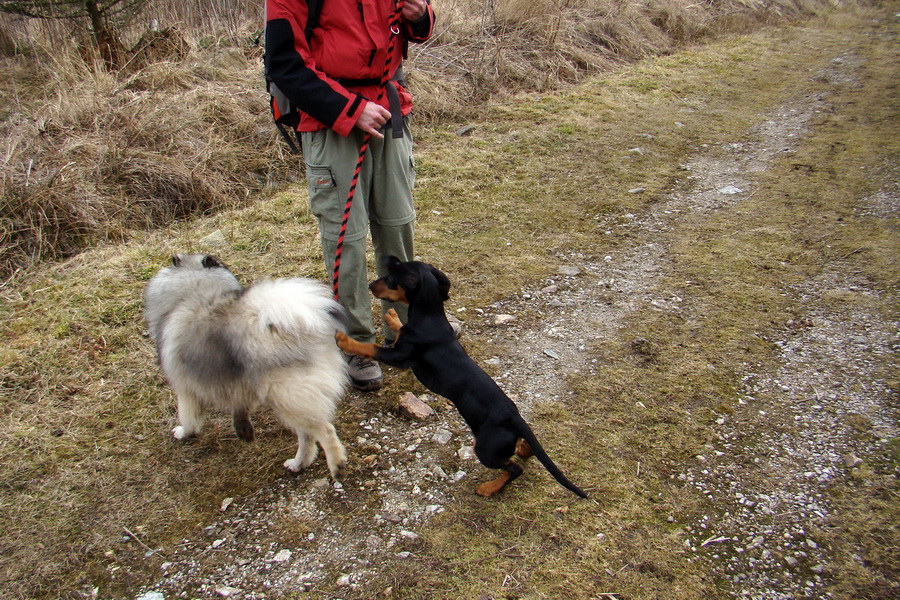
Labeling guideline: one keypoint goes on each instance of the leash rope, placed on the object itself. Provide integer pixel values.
(385, 78)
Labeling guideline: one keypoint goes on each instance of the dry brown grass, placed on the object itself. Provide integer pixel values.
(183, 128)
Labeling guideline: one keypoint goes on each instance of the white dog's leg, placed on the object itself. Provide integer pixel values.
(190, 417)
(312, 450)
(335, 453)
(306, 453)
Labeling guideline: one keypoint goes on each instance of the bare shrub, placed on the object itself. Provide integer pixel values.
(90, 155)
(484, 50)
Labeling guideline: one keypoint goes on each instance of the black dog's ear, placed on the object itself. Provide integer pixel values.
(390, 262)
(443, 283)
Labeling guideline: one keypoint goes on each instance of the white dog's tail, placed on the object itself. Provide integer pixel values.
(289, 319)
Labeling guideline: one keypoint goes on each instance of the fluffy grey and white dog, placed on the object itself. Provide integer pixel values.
(224, 346)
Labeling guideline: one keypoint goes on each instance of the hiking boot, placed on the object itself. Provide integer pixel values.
(365, 374)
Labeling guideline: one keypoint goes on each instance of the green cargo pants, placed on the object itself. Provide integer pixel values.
(382, 206)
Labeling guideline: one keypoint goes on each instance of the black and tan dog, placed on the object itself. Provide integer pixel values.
(428, 345)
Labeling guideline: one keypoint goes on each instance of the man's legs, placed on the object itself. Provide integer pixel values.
(382, 203)
(331, 162)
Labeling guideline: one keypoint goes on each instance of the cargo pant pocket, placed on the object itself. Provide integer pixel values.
(324, 199)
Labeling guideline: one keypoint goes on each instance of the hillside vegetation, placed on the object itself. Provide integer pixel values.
(181, 128)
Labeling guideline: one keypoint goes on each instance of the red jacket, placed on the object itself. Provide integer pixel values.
(350, 43)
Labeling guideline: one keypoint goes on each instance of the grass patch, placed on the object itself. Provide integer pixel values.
(86, 453)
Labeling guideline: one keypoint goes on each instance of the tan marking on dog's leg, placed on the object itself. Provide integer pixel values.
(490, 488)
(393, 320)
(523, 450)
(351, 346)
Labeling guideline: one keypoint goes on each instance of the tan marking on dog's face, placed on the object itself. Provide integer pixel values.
(381, 291)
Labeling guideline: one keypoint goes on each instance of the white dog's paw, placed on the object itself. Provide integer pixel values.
(180, 433)
(293, 465)
(339, 470)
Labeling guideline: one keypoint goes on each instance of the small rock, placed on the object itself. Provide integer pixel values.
(851, 460)
(637, 190)
(730, 190)
(414, 408)
(216, 239)
(226, 591)
(569, 270)
(791, 561)
(466, 453)
(409, 535)
(344, 581)
(151, 596)
(503, 319)
(283, 556)
(442, 436)
(465, 130)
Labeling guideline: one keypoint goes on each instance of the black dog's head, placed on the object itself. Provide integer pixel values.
(410, 283)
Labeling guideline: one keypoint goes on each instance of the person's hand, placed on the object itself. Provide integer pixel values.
(372, 118)
(413, 10)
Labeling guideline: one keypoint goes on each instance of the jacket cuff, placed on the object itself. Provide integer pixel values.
(421, 30)
(345, 123)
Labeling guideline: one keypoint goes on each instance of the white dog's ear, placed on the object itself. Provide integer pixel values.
(176, 260)
(340, 316)
(211, 262)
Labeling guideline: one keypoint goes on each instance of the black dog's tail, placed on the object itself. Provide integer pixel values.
(539, 452)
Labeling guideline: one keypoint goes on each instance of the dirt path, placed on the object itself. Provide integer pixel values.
(759, 537)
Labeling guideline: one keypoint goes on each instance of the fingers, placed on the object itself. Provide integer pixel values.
(372, 118)
(413, 10)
